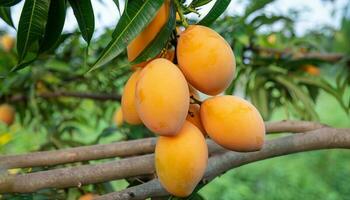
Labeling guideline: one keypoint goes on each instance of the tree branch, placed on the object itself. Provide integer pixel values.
(78, 154)
(328, 57)
(219, 162)
(121, 149)
(81, 95)
(325, 138)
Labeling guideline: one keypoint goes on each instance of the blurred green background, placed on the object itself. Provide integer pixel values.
(274, 71)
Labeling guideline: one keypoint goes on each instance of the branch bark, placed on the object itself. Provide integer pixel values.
(328, 57)
(81, 95)
(122, 149)
(325, 138)
(219, 162)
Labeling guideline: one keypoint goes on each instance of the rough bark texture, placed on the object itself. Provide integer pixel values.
(325, 138)
(121, 149)
(220, 161)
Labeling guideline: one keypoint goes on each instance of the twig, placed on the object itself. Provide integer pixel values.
(219, 162)
(81, 95)
(329, 57)
(121, 149)
(325, 138)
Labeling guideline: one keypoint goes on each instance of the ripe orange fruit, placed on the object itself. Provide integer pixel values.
(130, 114)
(7, 114)
(206, 59)
(118, 117)
(149, 33)
(194, 117)
(233, 123)
(181, 160)
(312, 70)
(162, 97)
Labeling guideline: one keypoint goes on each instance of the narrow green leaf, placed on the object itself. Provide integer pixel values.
(137, 16)
(266, 20)
(199, 3)
(298, 95)
(9, 3)
(55, 23)
(5, 14)
(256, 5)
(326, 87)
(218, 8)
(29, 60)
(160, 41)
(116, 2)
(31, 26)
(84, 14)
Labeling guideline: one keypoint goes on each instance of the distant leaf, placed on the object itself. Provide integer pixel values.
(31, 26)
(9, 3)
(260, 96)
(298, 95)
(84, 14)
(322, 84)
(137, 16)
(5, 14)
(266, 20)
(218, 8)
(160, 41)
(29, 60)
(54, 26)
(256, 5)
(116, 2)
(199, 3)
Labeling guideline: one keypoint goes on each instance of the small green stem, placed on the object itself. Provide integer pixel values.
(195, 101)
(182, 16)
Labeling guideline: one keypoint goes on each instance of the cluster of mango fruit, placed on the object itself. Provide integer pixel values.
(163, 95)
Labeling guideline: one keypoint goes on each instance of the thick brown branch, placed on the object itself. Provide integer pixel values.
(328, 57)
(78, 154)
(81, 95)
(78, 176)
(325, 138)
(218, 163)
(121, 149)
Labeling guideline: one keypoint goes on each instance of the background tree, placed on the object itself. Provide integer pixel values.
(65, 88)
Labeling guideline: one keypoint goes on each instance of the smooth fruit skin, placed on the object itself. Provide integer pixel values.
(149, 33)
(88, 196)
(194, 117)
(233, 123)
(162, 97)
(118, 117)
(7, 42)
(130, 114)
(181, 160)
(206, 59)
(7, 114)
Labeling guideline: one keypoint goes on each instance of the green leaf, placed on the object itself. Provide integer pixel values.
(31, 26)
(255, 5)
(137, 16)
(218, 8)
(326, 87)
(9, 3)
(260, 97)
(265, 20)
(84, 14)
(116, 2)
(160, 41)
(55, 23)
(199, 3)
(5, 14)
(298, 95)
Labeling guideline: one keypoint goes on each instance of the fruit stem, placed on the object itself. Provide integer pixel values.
(195, 101)
(181, 14)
